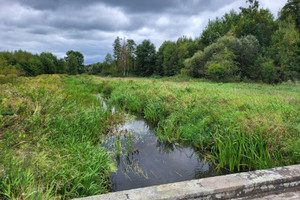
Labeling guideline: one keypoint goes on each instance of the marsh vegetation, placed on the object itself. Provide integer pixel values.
(54, 131)
(226, 101)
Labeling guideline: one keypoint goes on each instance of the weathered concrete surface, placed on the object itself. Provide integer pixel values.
(291, 195)
(245, 185)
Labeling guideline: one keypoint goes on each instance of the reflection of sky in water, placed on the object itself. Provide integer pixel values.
(136, 126)
(150, 162)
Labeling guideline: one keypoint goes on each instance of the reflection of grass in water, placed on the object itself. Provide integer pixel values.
(133, 166)
(153, 173)
(139, 171)
(178, 173)
(129, 162)
(127, 175)
(118, 146)
(128, 144)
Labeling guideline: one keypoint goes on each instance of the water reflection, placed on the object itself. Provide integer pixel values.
(144, 161)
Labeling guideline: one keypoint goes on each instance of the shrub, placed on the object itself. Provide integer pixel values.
(10, 78)
(217, 72)
(269, 73)
(194, 66)
(239, 53)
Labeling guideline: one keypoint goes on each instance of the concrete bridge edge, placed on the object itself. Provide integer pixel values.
(233, 186)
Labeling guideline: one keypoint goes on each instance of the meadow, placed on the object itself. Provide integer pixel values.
(50, 127)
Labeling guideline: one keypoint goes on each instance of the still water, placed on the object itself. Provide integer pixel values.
(142, 160)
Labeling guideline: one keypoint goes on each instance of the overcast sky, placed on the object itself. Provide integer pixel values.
(90, 26)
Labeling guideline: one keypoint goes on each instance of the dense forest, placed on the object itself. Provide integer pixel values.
(245, 45)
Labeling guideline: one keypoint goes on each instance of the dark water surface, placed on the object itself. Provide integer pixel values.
(145, 161)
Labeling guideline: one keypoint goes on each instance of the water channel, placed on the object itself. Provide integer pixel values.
(142, 160)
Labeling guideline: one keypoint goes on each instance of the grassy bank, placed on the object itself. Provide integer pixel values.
(49, 139)
(50, 128)
(239, 126)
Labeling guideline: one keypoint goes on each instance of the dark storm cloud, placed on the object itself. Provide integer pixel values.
(175, 6)
(90, 26)
(135, 6)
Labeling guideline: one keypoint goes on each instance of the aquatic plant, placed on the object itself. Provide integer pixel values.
(118, 146)
(128, 144)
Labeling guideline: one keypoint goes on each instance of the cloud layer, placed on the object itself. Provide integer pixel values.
(90, 26)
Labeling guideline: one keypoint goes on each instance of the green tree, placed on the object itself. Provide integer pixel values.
(194, 66)
(225, 59)
(80, 60)
(285, 50)
(166, 59)
(6, 69)
(72, 64)
(37, 65)
(107, 65)
(291, 9)
(95, 68)
(171, 55)
(117, 48)
(123, 61)
(269, 73)
(219, 27)
(185, 48)
(61, 66)
(131, 48)
(257, 22)
(108, 58)
(246, 56)
(28, 68)
(48, 64)
(245, 51)
(145, 59)
(160, 60)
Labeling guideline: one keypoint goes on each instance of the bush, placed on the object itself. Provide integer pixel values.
(217, 72)
(194, 66)
(269, 73)
(10, 78)
(237, 55)
(155, 76)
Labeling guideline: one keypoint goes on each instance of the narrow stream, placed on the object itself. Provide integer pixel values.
(142, 160)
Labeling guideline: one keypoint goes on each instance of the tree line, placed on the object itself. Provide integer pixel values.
(248, 45)
(28, 64)
(244, 45)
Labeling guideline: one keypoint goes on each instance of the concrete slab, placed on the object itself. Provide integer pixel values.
(244, 185)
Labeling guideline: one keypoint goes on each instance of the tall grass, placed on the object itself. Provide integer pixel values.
(239, 126)
(49, 139)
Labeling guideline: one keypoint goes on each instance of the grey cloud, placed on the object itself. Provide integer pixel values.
(134, 6)
(174, 6)
(90, 26)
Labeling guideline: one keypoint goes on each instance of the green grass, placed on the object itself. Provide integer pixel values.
(49, 139)
(239, 126)
(50, 127)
